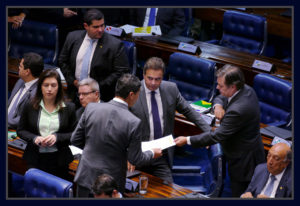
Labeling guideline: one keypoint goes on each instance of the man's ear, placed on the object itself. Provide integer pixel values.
(85, 25)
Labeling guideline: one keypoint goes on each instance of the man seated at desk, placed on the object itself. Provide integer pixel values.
(88, 91)
(30, 68)
(274, 178)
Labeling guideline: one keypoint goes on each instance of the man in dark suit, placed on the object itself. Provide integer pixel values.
(110, 136)
(93, 53)
(238, 110)
(30, 68)
(88, 91)
(278, 165)
(170, 20)
(169, 100)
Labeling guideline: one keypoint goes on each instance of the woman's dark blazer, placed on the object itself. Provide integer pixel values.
(28, 129)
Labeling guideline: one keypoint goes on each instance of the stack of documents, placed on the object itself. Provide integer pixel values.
(201, 106)
(162, 143)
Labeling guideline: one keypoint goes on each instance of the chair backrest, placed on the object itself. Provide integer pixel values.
(275, 99)
(130, 50)
(195, 77)
(38, 183)
(34, 36)
(244, 32)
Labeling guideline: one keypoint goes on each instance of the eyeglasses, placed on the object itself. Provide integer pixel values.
(85, 93)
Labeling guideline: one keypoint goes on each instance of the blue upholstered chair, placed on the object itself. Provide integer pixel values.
(34, 36)
(275, 99)
(16, 184)
(200, 170)
(38, 183)
(243, 32)
(195, 77)
(131, 53)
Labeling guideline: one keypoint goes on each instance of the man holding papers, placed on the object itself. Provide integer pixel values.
(156, 107)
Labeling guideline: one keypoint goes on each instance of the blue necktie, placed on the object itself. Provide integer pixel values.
(270, 186)
(86, 61)
(155, 116)
(151, 17)
(14, 106)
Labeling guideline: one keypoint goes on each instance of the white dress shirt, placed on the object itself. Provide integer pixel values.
(276, 183)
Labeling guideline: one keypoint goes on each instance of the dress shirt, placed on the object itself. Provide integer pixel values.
(82, 50)
(276, 183)
(160, 110)
(147, 16)
(27, 86)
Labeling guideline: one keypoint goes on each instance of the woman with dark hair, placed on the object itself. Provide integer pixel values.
(47, 123)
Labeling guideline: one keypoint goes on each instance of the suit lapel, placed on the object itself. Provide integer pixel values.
(263, 181)
(143, 101)
(283, 183)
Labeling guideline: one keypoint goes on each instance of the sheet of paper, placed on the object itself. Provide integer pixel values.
(75, 150)
(162, 143)
(128, 28)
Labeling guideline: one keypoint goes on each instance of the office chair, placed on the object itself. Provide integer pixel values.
(15, 185)
(38, 183)
(243, 32)
(130, 50)
(34, 36)
(275, 99)
(200, 170)
(195, 77)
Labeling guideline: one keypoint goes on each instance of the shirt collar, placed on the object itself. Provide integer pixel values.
(148, 91)
(230, 98)
(120, 101)
(30, 83)
(278, 176)
(56, 109)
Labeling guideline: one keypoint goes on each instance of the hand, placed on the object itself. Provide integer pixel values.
(130, 167)
(16, 21)
(157, 152)
(49, 140)
(180, 141)
(75, 83)
(38, 140)
(219, 111)
(262, 196)
(247, 195)
(69, 13)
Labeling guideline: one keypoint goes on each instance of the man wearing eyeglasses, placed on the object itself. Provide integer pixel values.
(88, 91)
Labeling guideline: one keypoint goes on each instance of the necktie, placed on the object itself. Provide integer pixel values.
(155, 116)
(269, 188)
(86, 61)
(151, 17)
(14, 106)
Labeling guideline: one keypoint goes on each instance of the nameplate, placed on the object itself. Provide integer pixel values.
(261, 65)
(189, 48)
(114, 31)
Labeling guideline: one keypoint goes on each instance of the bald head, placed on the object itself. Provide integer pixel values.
(278, 158)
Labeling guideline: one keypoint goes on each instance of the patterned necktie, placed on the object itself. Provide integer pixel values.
(270, 186)
(14, 106)
(155, 116)
(151, 17)
(86, 61)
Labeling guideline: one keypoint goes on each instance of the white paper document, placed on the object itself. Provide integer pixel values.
(162, 143)
(75, 150)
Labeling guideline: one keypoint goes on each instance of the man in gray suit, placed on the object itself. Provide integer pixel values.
(30, 68)
(110, 135)
(239, 133)
(169, 100)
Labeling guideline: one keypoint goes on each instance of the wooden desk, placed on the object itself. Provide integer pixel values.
(276, 23)
(152, 47)
(156, 187)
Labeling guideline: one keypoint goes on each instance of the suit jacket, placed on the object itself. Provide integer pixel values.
(109, 135)
(239, 134)
(108, 63)
(171, 20)
(260, 178)
(171, 101)
(28, 129)
(13, 123)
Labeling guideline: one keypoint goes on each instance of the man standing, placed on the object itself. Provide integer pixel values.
(110, 135)
(274, 178)
(239, 133)
(93, 53)
(88, 91)
(30, 68)
(156, 107)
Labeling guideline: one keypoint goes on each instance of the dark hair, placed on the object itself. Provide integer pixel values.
(288, 156)
(127, 83)
(232, 75)
(155, 63)
(104, 184)
(92, 14)
(34, 62)
(39, 95)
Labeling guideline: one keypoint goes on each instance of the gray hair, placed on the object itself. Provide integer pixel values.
(90, 82)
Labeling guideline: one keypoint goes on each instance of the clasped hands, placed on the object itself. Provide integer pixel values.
(47, 141)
